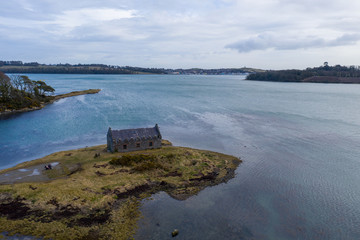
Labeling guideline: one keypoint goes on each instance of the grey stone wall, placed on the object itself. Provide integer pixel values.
(133, 145)
(110, 144)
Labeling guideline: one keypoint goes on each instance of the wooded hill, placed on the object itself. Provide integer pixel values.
(322, 74)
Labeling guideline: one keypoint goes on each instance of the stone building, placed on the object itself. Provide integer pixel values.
(128, 140)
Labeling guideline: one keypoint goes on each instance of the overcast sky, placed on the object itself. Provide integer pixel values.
(268, 34)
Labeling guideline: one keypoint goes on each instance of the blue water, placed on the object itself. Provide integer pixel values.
(300, 143)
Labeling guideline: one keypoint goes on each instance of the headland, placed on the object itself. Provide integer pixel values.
(322, 74)
(93, 194)
(50, 100)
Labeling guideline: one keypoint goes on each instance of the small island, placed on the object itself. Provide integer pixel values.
(20, 94)
(91, 193)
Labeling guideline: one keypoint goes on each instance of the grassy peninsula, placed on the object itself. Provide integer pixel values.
(92, 194)
(20, 94)
(322, 74)
(48, 100)
(75, 93)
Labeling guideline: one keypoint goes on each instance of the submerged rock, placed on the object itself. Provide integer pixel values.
(175, 233)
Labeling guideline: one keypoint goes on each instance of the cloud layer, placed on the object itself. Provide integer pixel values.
(271, 41)
(174, 33)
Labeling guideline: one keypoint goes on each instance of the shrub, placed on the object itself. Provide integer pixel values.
(170, 156)
(148, 165)
(130, 160)
(139, 162)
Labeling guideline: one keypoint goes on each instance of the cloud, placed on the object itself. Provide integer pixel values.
(346, 39)
(271, 41)
(180, 33)
(68, 20)
(87, 24)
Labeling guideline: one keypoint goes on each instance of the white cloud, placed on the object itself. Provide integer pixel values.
(26, 5)
(80, 24)
(68, 20)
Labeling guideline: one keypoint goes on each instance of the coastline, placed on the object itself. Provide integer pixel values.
(7, 113)
(316, 79)
(85, 191)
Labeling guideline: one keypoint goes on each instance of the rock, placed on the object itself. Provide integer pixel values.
(175, 233)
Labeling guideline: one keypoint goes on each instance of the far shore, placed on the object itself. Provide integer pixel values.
(8, 112)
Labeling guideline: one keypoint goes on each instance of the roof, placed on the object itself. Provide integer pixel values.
(136, 133)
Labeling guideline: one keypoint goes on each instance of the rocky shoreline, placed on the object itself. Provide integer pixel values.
(19, 207)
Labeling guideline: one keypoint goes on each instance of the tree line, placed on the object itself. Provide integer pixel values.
(34, 67)
(66, 68)
(294, 75)
(18, 91)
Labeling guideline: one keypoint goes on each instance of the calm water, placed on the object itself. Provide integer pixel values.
(300, 143)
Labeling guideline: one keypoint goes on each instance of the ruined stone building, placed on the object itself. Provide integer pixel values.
(127, 140)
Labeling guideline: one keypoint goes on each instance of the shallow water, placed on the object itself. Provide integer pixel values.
(300, 143)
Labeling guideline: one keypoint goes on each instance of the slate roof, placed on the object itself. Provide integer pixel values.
(136, 133)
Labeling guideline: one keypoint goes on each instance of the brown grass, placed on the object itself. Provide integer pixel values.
(76, 93)
(98, 186)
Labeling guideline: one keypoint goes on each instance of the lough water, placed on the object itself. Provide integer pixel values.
(300, 143)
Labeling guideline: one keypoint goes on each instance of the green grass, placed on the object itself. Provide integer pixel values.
(93, 185)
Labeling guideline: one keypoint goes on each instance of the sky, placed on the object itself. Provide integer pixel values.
(267, 34)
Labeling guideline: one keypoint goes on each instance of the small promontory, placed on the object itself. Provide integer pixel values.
(20, 94)
(93, 194)
(47, 100)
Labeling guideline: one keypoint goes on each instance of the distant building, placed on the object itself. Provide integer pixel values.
(128, 140)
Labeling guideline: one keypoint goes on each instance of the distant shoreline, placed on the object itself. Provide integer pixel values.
(18, 67)
(8, 112)
(329, 79)
(318, 79)
(322, 74)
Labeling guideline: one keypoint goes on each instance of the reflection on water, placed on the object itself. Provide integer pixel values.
(300, 144)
